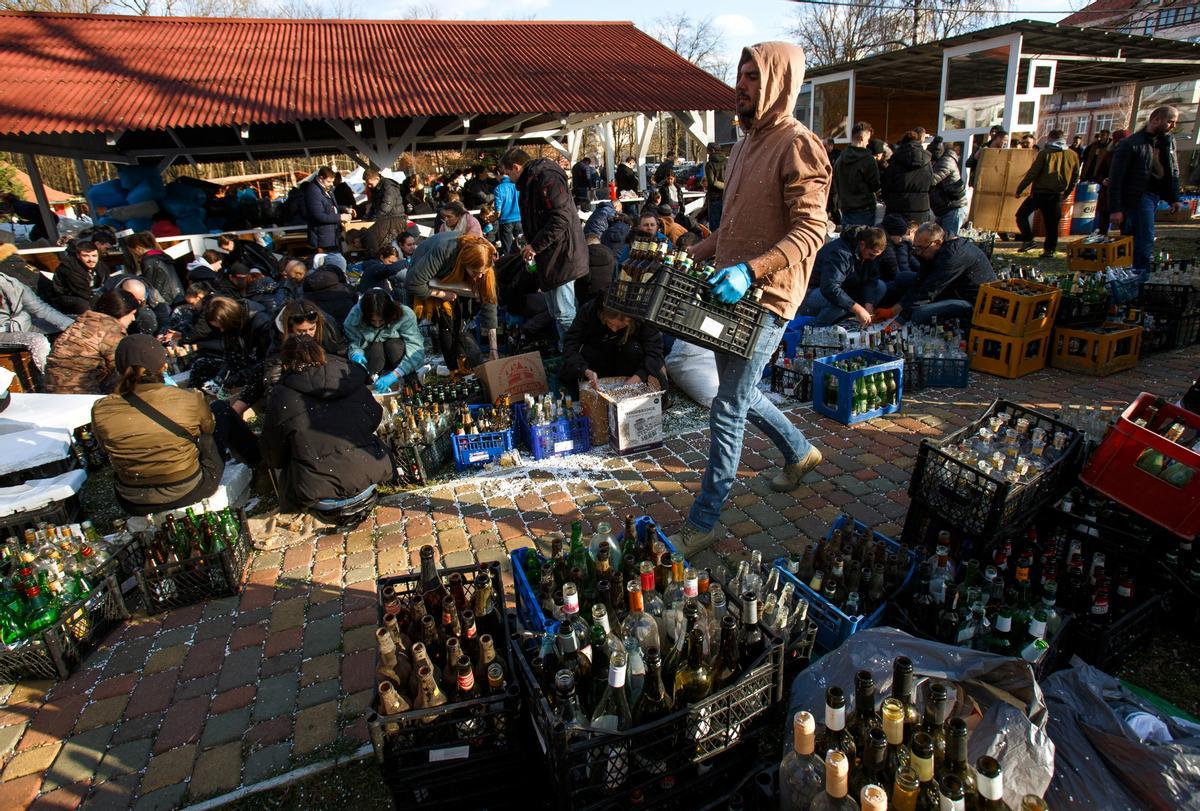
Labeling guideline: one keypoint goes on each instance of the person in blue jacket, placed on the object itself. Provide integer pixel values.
(848, 271)
(384, 334)
(508, 213)
(321, 212)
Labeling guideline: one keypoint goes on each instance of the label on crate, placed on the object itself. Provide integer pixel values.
(710, 326)
(452, 753)
(478, 456)
(564, 447)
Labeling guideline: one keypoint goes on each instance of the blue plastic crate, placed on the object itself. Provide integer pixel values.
(529, 612)
(823, 368)
(833, 626)
(476, 450)
(563, 437)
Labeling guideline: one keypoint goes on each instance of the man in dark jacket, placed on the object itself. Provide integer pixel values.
(321, 212)
(951, 273)
(898, 254)
(550, 221)
(714, 185)
(74, 279)
(386, 196)
(848, 273)
(1144, 171)
(583, 184)
(907, 179)
(627, 177)
(249, 253)
(326, 289)
(1053, 176)
(856, 179)
(1091, 157)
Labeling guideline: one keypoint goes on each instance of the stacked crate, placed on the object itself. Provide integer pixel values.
(1010, 327)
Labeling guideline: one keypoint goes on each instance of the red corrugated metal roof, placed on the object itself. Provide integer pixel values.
(65, 73)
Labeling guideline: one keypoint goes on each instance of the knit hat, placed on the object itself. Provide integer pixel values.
(894, 225)
(330, 260)
(140, 350)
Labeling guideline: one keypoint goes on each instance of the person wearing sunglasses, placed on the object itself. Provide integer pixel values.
(447, 269)
(302, 317)
(383, 335)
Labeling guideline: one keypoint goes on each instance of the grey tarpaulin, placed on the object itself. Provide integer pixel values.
(1099, 763)
(997, 696)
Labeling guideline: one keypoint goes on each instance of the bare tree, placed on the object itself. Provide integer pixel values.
(427, 10)
(696, 40)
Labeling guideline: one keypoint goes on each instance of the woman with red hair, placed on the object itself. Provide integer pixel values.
(447, 269)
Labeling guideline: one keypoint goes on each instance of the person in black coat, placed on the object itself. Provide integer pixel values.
(552, 230)
(385, 196)
(321, 212)
(247, 252)
(154, 266)
(602, 266)
(605, 343)
(246, 333)
(74, 278)
(951, 272)
(326, 289)
(477, 190)
(907, 180)
(898, 253)
(320, 428)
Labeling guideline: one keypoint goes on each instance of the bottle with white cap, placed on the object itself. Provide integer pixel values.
(802, 772)
(836, 795)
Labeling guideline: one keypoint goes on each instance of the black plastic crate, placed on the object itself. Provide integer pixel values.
(679, 304)
(424, 754)
(606, 770)
(1170, 331)
(1108, 647)
(1169, 298)
(55, 513)
(206, 577)
(791, 383)
(1171, 264)
(937, 373)
(980, 504)
(57, 651)
(1075, 311)
(417, 465)
(47, 471)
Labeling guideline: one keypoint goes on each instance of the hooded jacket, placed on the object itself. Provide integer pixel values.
(252, 255)
(320, 433)
(1055, 170)
(843, 276)
(776, 185)
(907, 180)
(856, 179)
(507, 201)
(387, 200)
(19, 306)
(714, 176)
(406, 328)
(626, 178)
(948, 191)
(83, 360)
(159, 272)
(551, 224)
(325, 289)
(72, 279)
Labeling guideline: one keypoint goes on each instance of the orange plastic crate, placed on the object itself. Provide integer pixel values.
(1116, 253)
(1016, 307)
(1006, 355)
(1100, 351)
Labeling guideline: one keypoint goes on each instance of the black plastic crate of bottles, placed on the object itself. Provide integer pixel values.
(1108, 646)
(195, 579)
(56, 513)
(1175, 299)
(417, 465)
(57, 650)
(441, 758)
(1169, 331)
(983, 504)
(680, 305)
(651, 764)
(791, 382)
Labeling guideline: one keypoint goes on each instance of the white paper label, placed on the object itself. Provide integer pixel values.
(478, 456)
(564, 446)
(711, 327)
(453, 753)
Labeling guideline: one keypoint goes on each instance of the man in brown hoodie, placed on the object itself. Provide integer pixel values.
(776, 187)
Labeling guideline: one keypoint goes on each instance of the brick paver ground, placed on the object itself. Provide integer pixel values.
(199, 701)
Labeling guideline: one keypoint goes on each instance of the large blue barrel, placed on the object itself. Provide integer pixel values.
(1083, 220)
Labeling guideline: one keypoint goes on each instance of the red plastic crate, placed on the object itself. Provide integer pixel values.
(1113, 469)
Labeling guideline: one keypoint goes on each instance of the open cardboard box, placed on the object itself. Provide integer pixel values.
(629, 424)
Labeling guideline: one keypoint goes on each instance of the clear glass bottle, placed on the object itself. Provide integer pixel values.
(836, 794)
(802, 772)
(638, 623)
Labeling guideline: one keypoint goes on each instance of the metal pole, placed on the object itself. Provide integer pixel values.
(39, 191)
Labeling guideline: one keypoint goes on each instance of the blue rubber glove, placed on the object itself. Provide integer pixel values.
(731, 283)
(359, 358)
(386, 383)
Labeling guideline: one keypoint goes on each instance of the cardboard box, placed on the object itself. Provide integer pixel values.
(626, 424)
(515, 376)
(993, 207)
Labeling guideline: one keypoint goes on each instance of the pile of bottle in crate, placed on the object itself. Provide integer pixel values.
(191, 558)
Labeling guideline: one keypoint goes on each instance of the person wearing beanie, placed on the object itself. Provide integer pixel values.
(898, 254)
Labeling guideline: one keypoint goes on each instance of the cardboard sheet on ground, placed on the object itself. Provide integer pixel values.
(997, 696)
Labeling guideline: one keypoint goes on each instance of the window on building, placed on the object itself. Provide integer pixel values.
(1106, 121)
(1167, 18)
(1081, 125)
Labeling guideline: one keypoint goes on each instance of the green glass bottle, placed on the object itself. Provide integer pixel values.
(693, 681)
(577, 556)
(40, 611)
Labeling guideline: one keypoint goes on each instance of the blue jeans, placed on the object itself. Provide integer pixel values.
(738, 399)
(716, 206)
(924, 313)
(1139, 224)
(815, 304)
(850, 218)
(508, 234)
(952, 220)
(561, 303)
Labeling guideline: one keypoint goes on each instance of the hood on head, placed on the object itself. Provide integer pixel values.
(321, 280)
(910, 155)
(854, 154)
(336, 379)
(781, 71)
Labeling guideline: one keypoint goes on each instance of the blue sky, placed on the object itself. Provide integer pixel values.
(742, 23)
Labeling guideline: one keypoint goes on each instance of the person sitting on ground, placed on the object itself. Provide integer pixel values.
(83, 360)
(848, 278)
(161, 439)
(185, 315)
(385, 271)
(248, 252)
(153, 265)
(153, 314)
(898, 253)
(384, 335)
(945, 289)
(291, 279)
(328, 291)
(605, 343)
(456, 219)
(246, 335)
(446, 267)
(319, 431)
(302, 317)
(75, 278)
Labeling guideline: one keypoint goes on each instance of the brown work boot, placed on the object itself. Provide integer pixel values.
(791, 476)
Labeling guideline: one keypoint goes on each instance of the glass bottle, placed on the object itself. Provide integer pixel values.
(937, 710)
(727, 665)
(652, 602)
(654, 702)
(874, 763)
(570, 658)
(950, 794)
(873, 797)
(802, 772)
(391, 702)
(693, 680)
(571, 616)
(892, 711)
(922, 764)
(903, 689)
(638, 623)
(578, 556)
(566, 705)
(429, 695)
(1032, 802)
(487, 657)
(603, 536)
(835, 735)
(956, 759)
(990, 785)
(905, 790)
(864, 717)
(432, 590)
(611, 762)
(751, 638)
(835, 796)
